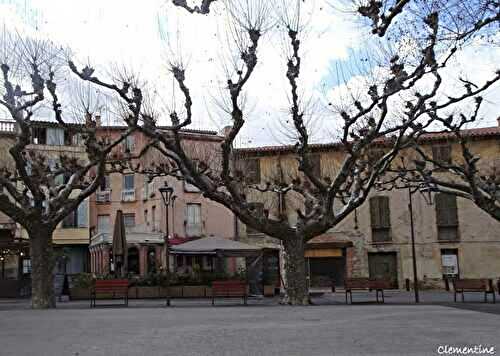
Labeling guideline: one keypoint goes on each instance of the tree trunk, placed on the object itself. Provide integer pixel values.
(42, 269)
(297, 292)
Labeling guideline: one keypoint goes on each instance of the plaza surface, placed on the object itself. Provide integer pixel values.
(194, 327)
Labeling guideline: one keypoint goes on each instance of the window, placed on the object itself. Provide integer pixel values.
(441, 154)
(26, 266)
(77, 218)
(258, 209)
(55, 136)
(145, 189)
(193, 220)
(446, 217)
(380, 219)
(315, 162)
(54, 166)
(128, 182)
(128, 189)
(129, 144)
(39, 136)
(146, 217)
(251, 170)
(105, 184)
(103, 223)
(129, 220)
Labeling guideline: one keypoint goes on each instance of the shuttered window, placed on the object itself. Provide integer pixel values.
(251, 170)
(315, 161)
(258, 211)
(77, 218)
(193, 220)
(446, 216)
(380, 219)
(441, 154)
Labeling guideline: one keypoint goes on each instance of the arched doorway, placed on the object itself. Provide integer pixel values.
(133, 260)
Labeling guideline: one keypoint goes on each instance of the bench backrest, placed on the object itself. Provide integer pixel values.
(229, 287)
(111, 285)
(357, 283)
(380, 284)
(479, 284)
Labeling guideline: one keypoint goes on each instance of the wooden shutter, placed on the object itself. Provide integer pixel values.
(446, 210)
(252, 171)
(380, 212)
(441, 154)
(315, 162)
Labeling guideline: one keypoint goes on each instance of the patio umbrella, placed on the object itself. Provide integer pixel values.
(119, 245)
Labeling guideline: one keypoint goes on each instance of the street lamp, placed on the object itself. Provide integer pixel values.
(412, 190)
(167, 195)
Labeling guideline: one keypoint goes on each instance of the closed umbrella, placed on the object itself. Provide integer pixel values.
(119, 245)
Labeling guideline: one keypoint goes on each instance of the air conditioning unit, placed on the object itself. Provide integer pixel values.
(128, 195)
(103, 197)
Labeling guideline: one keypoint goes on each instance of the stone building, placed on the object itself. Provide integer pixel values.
(453, 236)
(71, 237)
(190, 216)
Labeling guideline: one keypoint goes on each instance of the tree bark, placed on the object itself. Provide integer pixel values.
(297, 292)
(42, 269)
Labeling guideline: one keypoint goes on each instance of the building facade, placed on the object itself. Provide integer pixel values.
(137, 196)
(454, 238)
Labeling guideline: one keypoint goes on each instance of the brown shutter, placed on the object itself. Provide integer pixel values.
(446, 210)
(374, 212)
(252, 171)
(315, 162)
(385, 213)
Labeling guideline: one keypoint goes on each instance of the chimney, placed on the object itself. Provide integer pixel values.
(498, 121)
(98, 120)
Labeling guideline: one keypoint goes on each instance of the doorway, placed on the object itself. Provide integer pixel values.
(383, 265)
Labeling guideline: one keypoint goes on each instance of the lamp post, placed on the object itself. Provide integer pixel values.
(167, 194)
(411, 191)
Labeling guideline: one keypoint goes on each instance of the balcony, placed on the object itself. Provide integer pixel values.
(103, 196)
(128, 195)
(8, 126)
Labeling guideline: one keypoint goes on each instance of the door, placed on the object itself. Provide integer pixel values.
(383, 265)
(327, 270)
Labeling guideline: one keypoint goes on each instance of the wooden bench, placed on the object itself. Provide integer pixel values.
(366, 284)
(473, 285)
(229, 289)
(113, 287)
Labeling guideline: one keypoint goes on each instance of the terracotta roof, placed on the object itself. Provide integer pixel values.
(328, 240)
(478, 133)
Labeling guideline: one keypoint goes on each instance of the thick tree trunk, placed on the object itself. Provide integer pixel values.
(42, 269)
(297, 292)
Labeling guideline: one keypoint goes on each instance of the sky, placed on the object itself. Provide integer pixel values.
(143, 36)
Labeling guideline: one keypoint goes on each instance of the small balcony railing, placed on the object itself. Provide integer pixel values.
(128, 195)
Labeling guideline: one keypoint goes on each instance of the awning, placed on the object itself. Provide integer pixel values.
(216, 246)
(329, 241)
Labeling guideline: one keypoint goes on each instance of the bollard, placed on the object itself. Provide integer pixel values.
(407, 283)
(446, 283)
(333, 286)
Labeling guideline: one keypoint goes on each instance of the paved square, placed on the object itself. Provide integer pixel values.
(199, 329)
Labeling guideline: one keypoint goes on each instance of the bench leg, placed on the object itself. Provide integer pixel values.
(485, 297)
(463, 297)
(346, 296)
(455, 296)
(168, 301)
(350, 294)
(376, 294)
(245, 300)
(493, 294)
(213, 300)
(383, 299)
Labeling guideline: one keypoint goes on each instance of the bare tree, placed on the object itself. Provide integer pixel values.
(467, 175)
(393, 111)
(39, 188)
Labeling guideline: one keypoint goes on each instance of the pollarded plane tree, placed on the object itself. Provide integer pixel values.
(393, 110)
(40, 187)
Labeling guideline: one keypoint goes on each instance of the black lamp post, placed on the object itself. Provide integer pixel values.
(411, 191)
(166, 193)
